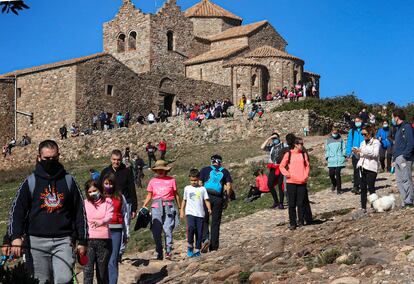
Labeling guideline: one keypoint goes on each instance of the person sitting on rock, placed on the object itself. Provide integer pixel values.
(261, 186)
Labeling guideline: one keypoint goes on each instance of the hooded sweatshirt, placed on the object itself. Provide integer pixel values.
(54, 211)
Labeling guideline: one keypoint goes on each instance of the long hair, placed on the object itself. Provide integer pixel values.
(111, 178)
(88, 185)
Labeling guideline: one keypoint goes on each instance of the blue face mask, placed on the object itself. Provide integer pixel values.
(393, 122)
(276, 141)
(358, 124)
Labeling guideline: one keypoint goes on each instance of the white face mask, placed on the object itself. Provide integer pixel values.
(95, 196)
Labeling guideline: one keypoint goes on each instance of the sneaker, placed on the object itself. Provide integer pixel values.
(274, 206)
(197, 253)
(190, 252)
(281, 207)
(205, 246)
(160, 257)
(168, 255)
(292, 227)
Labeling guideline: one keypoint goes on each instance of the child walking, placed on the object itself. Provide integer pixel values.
(99, 211)
(119, 229)
(295, 167)
(162, 191)
(195, 196)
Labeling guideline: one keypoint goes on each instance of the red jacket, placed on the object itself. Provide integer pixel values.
(162, 146)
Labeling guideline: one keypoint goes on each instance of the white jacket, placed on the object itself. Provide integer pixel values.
(368, 158)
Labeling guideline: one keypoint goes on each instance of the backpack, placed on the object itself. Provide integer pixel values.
(277, 153)
(31, 180)
(214, 181)
(303, 155)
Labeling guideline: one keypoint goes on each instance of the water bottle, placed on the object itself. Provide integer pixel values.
(392, 170)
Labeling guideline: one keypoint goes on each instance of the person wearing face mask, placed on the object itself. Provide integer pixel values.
(386, 146)
(354, 141)
(295, 166)
(335, 154)
(368, 163)
(118, 225)
(403, 156)
(99, 212)
(49, 209)
(276, 149)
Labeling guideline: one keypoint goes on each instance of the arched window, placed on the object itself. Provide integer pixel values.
(121, 43)
(132, 41)
(170, 39)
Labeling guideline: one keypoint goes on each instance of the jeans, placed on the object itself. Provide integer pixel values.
(99, 251)
(272, 180)
(194, 227)
(357, 182)
(217, 212)
(297, 200)
(163, 219)
(116, 237)
(403, 175)
(335, 176)
(53, 258)
(367, 184)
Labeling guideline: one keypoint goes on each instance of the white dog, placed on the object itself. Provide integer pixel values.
(382, 204)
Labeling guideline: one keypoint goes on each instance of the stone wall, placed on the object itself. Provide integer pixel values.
(267, 35)
(211, 72)
(126, 21)
(204, 27)
(6, 111)
(50, 96)
(170, 18)
(241, 41)
(176, 133)
(199, 46)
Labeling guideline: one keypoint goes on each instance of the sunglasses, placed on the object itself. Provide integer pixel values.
(364, 134)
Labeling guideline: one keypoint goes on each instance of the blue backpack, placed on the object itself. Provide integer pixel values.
(214, 182)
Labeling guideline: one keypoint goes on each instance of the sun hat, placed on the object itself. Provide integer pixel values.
(161, 165)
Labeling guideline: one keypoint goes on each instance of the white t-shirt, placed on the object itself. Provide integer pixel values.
(194, 197)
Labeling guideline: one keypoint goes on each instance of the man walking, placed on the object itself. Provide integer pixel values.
(48, 209)
(403, 157)
(124, 179)
(354, 141)
(217, 180)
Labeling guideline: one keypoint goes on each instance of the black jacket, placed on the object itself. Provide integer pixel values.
(53, 211)
(124, 180)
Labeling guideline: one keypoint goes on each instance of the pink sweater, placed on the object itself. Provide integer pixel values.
(296, 172)
(100, 213)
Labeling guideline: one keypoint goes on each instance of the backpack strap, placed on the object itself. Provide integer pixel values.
(31, 180)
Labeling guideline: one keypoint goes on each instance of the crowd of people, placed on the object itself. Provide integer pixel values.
(98, 226)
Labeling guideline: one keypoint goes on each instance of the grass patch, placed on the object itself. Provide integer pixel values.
(406, 236)
(244, 277)
(325, 257)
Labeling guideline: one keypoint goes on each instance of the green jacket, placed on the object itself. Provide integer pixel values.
(335, 152)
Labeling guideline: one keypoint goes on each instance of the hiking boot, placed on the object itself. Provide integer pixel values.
(205, 246)
(197, 253)
(190, 252)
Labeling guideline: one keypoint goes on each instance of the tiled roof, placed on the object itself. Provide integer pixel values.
(268, 51)
(53, 65)
(237, 31)
(217, 54)
(206, 9)
(312, 74)
(241, 61)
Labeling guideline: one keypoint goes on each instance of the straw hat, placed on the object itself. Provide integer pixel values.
(161, 165)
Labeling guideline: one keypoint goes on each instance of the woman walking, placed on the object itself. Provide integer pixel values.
(162, 191)
(368, 163)
(99, 211)
(296, 168)
(335, 153)
(118, 225)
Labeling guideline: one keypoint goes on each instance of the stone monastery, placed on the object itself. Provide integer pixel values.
(149, 61)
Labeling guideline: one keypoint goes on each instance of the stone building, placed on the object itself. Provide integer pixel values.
(148, 62)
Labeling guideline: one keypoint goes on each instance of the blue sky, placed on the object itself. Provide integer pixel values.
(364, 46)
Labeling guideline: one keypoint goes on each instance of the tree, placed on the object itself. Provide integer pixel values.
(13, 6)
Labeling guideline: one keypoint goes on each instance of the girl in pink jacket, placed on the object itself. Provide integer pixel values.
(99, 211)
(296, 168)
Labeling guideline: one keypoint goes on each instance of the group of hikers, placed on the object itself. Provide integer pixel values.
(49, 217)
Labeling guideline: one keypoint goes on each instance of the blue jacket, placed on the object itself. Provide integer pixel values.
(383, 134)
(355, 139)
(335, 152)
(404, 142)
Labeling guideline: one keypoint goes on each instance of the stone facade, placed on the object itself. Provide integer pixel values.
(211, 72)
(6, 110)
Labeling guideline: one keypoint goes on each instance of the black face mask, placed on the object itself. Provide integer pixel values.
(52, 167)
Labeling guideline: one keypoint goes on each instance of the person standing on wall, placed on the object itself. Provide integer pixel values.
(403, 156)
(354, 141)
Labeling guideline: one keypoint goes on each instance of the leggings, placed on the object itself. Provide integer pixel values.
(99, 251)
(367, 184)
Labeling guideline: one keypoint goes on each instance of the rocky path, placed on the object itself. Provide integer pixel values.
(261, 247)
